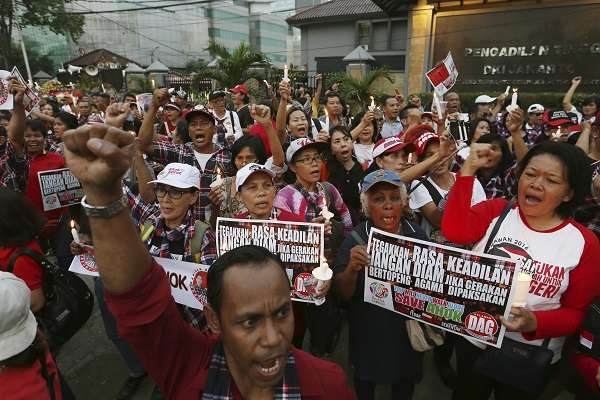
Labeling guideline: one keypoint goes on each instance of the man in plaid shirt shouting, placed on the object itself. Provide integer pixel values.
(211, 159)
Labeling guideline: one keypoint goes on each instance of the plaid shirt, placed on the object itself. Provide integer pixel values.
(502, 185)
(166, 153)
(14, 169)
(158, 243)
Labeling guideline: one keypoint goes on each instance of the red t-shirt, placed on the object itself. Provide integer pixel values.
(43, 162)
(28, 383)
(178, 356)
(25, 267)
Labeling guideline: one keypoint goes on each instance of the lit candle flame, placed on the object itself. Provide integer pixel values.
(72, 223)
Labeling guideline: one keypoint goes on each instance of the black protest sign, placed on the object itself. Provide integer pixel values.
(453, 289)
(298, 245)
(59, 188)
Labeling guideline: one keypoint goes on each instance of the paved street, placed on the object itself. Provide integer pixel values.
(95, 371)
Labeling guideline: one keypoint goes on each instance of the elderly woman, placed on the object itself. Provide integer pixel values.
(379, 347)
(538, 232)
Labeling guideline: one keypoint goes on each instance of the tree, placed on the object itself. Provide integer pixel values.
(49, 13)
(195, 65)
(14, 58)
(232, 68)
(357, 91)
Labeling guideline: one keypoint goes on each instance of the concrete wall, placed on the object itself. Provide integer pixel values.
(417, 57)
(327, 40)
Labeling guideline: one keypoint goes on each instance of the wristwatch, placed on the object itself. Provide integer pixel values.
(107, 211)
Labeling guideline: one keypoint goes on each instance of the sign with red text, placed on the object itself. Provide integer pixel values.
(59, 188)
(452, 289)
(30, 99)
(443, 76)
(299, 245)
(188, 280)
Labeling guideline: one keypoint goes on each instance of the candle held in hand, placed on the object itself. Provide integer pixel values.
(74, 232)
(372, 106)
(285, 73)
(522, 289)
(219, 181)
(323, 274)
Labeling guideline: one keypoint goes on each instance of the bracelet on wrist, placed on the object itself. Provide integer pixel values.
(106, 211)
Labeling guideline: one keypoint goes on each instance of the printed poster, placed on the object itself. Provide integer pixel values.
(188, 280)
(453, 289)
(6, 98)
(298, 244)
(30, 99)
(443, 76)
(59, 188)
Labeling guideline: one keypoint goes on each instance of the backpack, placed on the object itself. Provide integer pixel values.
(69, 302)
(200, 228)
(589, 332)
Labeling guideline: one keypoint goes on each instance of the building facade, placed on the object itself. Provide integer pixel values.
(538, 45)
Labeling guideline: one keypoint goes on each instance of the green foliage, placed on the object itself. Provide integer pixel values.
(14, 57)
(357, 92)
(140, 83)
(88, 84)
(233, 68)
(49, 13)
(195, 65)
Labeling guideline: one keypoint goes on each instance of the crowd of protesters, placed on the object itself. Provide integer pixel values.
(530, 173)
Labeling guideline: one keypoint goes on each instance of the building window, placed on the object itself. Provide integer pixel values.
(364, 33)
(380, 36)
(225, 34)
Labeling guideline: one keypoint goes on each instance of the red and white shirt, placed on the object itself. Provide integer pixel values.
(564, 262)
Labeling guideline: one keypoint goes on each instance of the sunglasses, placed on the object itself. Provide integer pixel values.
(174, 194)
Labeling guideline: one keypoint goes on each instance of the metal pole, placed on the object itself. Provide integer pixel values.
(24, 50)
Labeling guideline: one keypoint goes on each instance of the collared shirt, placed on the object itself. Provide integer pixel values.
(231, 124)
(148, 320)
(166, 153)
(391, 129)
(14, 169)
(532, 133)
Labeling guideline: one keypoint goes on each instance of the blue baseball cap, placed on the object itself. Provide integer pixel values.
(381, 175)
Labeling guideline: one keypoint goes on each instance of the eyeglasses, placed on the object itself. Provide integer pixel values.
(174, 194)
(309, 160)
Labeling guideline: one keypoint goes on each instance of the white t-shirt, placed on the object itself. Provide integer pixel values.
(202, 159)
(234, 128)
(364, 153)
(420, 197)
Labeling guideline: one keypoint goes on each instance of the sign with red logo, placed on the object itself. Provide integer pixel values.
(456, 290)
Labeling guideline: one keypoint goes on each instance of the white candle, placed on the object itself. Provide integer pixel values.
(323, 274)
(153, 83)
(521, 290)
(557, 134)
(438, 106)
(74, 232)
(372, 106)
(285, 73)
(103, 89)
(513, 102)
(217, 182)
(325, 213)
(507, 91)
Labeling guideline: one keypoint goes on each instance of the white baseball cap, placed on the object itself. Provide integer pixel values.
(484, 99)
(182, 176)
(18, 326)
(535, 108)
(244, 173)
(301, 143)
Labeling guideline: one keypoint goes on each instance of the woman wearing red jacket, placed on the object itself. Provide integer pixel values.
(560, 255)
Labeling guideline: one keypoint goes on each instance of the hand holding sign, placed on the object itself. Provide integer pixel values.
(522, 320)
(99, 155)
(6, 97)
(359, 258)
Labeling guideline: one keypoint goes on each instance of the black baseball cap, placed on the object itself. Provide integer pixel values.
(199, 110)
(216, 94)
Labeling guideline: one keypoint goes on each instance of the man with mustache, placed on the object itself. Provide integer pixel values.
(211, 159)
(249, 354)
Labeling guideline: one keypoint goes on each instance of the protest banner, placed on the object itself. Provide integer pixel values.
(6, 98)
(299, 245)
(188, 280)
(59, 188)
(443, 76)
(453, 289)
(30, 99)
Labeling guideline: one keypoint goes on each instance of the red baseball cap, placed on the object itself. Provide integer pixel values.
(557, 118)
(423, 140)
(392, 145)
(240, 89)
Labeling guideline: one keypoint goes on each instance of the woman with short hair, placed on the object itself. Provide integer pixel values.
(379, 356)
